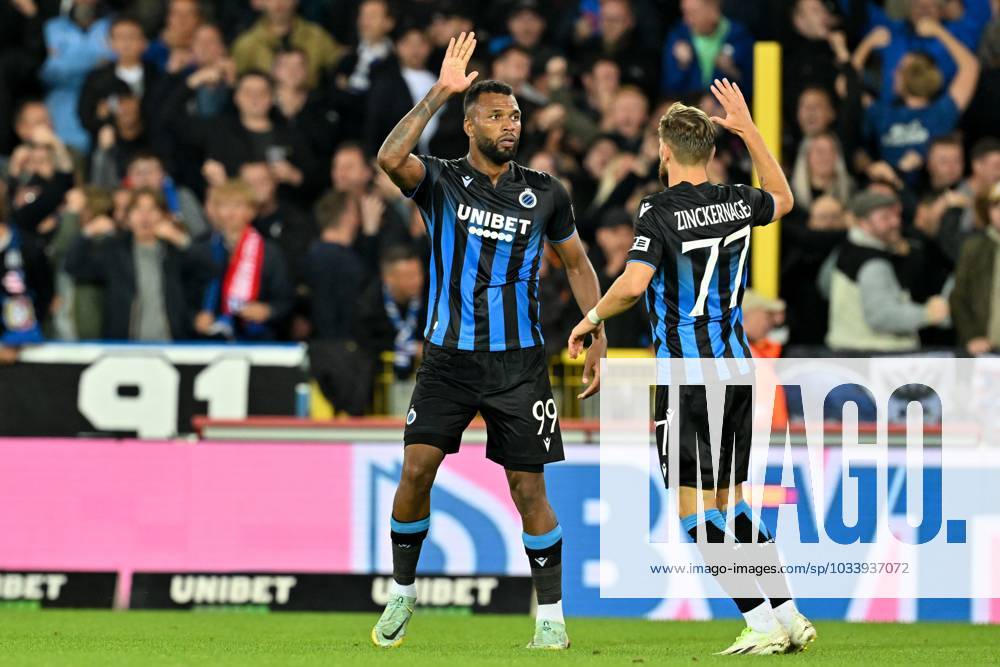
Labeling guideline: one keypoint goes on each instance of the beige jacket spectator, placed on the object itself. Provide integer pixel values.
(255, 48)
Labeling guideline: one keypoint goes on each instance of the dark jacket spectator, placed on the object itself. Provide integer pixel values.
(391, 313)
(39, 176)
(975, 300)
(334, 273)
(620, 40)
(397, 83)
(128, 75)
(253, 135)
(22, 51)
(150, 282)
(279, 221)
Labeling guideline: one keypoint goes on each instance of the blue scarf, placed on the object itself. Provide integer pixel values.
(405, 344)
(20, 325)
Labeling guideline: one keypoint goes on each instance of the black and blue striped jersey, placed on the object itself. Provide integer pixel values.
(697, 237)
(486, 247)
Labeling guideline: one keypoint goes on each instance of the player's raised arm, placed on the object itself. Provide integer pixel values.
(738, 121)
(395, 157)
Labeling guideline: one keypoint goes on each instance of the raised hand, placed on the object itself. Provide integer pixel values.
(928, 27)
(453, 78)
(737, 120)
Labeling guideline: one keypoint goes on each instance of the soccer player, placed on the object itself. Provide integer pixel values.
(488, 219)
(689, 258)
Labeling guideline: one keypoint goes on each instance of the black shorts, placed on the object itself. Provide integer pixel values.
(695, 446)
(510, 389)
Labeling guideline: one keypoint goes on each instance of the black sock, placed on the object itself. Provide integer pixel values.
(545, 557)
(765, 552)
(714, 529)
(407, 538)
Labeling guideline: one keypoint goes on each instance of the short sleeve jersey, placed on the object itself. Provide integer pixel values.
(486, 247)
(697, 238)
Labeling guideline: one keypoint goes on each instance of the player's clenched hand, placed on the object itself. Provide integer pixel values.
(737, 120)
(592, 367)
(453, 77)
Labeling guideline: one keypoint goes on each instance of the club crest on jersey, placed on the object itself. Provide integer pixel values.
(527, 199)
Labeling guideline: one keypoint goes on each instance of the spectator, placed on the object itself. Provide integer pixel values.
(450, 18)
(25, 288)
(614, 239)
(381, 226)
(80, 314)
(210, 68)
(118, 142)
(975, 300)
(149, 281)
(279, 28)
(375, 23)
(171, 52)
(806, 245)
(391, 312)
(334, 274)
(146, 171)
(819, 170)
(30, 113)
(397, 84)
(352, 77)
(39, 175)
(704, 46)
(870, 305)
(945, 164)
(303, 111)
(227, 142)
(897, 39)
(526, 26)
(249, 293)
(902, 130)
(627, 118)
(584, 111)
(619, 40)
(127, 76)
(980, 118)
(76, 42)
(21, 53)
(984, 175)
(807, 55)
(761, 316)
(815, 113)
(277, 220)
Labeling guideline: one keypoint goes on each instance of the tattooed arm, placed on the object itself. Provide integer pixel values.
(394, 157)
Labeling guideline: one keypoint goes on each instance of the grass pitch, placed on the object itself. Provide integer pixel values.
(105, 638)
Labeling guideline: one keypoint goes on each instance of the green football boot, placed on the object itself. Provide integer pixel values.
(390, 630)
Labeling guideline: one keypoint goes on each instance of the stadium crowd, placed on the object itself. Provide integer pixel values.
(177, 170)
